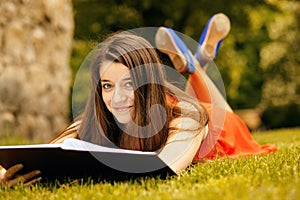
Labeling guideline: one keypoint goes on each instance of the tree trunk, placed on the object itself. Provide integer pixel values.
(35, 47)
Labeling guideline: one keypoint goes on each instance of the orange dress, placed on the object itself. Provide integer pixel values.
(232, 140)
(228, 135)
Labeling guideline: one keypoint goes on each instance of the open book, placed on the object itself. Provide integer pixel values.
(78, 159)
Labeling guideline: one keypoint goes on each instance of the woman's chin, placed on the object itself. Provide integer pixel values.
(123, 120)
(123, 117)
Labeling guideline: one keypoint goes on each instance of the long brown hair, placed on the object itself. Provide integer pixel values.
(151, 88)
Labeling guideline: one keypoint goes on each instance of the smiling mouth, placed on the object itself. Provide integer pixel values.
(122, 109)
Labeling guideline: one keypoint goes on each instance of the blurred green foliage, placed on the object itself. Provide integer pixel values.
(275, 117)
(259, 60)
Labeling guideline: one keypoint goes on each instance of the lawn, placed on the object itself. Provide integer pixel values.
(273, 176)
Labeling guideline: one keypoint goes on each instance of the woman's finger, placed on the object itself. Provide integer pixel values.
(30, 175)
(32, 181)
(11, 172)
(13, 182)
(23, 178)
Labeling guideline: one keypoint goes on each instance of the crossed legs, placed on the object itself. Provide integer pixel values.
(199, 84)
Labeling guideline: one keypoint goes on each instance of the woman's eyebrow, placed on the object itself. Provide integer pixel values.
(126, 79)
(104, 80)
(123, 79)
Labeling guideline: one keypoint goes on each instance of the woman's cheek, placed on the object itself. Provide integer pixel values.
(107, 100)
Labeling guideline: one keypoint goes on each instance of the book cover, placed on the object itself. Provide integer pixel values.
(78, 159)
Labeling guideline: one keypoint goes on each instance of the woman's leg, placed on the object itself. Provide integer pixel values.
(216, 29)
(199, 84)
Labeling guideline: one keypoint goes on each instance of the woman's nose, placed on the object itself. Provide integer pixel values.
(119, 96)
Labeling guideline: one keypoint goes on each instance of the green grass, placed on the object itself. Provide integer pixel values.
(273, 176)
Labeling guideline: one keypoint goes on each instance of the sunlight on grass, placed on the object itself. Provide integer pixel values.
(282, 138)
(272, 176)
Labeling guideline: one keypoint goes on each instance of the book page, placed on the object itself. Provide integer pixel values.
(79, 145)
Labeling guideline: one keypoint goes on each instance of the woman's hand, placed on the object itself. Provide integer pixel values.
(10, 177)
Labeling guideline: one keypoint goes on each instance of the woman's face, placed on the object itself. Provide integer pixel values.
(117, 90)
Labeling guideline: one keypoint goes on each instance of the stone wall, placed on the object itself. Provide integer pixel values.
(35, 47)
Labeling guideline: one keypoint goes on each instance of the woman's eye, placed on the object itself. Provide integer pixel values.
(106, 86)
(129, 84)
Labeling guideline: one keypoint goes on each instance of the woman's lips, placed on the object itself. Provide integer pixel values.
(122, 109)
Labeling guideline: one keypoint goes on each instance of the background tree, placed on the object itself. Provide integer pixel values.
(35, 48)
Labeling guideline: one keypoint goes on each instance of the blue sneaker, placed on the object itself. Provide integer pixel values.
(216, 29)
(168, 42)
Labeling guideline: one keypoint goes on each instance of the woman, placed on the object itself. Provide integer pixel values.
(128, 81)
(129, 92)
(133, 106)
